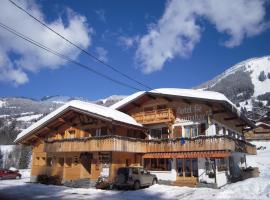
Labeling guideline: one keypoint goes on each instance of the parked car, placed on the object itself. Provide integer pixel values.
(9, 174)
(134, 177)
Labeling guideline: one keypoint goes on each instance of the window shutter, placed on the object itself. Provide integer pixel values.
(177, 131)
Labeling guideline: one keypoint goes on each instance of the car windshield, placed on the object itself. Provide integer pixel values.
(123, 171)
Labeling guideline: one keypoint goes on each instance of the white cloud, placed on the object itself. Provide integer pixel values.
(18, 57)
(178, 30)
(102, 54)
(128, 42)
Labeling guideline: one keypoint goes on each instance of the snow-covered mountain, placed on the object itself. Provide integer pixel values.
(247, 84)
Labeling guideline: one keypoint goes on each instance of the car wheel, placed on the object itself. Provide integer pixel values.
(18, 177)
(137, 185)
(154, 181)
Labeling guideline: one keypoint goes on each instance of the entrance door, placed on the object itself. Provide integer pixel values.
(86, 164)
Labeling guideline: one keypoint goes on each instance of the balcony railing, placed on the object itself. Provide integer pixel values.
(155, 116)
(125, 144)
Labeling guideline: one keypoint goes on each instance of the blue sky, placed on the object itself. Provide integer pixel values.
(136, 37)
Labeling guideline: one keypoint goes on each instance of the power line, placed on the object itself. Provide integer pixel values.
(13, 31)
(83, 50)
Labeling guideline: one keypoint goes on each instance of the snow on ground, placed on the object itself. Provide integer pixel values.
(253, 188)
(29, 117)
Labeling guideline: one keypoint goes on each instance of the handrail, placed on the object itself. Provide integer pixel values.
(135, 145)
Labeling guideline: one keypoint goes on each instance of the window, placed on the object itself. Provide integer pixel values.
(158, 133)
(103, 131)
(68, 162)
(191, 131)
(49, 161)
(157, 164)
(155, 133)
(187, 167)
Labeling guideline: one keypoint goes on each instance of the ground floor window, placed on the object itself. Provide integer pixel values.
(158, 164)
(187, 167)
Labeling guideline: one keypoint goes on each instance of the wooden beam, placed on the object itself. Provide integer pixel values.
(218, 111)
(186, 101)
(230, 118)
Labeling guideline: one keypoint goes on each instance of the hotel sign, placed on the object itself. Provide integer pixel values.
(191, 113)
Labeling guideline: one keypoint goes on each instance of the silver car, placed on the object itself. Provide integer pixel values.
(134, 177)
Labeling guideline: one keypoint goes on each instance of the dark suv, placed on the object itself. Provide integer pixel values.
(134, 177)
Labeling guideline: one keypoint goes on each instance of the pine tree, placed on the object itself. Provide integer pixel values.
(25, 157)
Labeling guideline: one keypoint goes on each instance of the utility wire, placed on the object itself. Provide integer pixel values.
(13, 31)
(83, 50)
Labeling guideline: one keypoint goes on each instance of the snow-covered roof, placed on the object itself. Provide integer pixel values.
(87, 107)
(188, 93)
(127, 100)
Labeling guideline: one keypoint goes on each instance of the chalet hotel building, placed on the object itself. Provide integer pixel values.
(185, 137)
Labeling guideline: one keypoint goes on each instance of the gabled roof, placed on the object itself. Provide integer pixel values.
(86, 107)
(187, 93)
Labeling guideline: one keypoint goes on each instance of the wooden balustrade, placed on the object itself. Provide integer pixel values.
(155, 116)
(125, 144)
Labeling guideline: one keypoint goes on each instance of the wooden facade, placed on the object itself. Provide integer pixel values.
(77, 145)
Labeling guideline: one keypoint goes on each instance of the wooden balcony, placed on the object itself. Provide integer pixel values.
(125, 144)
(155, 116)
